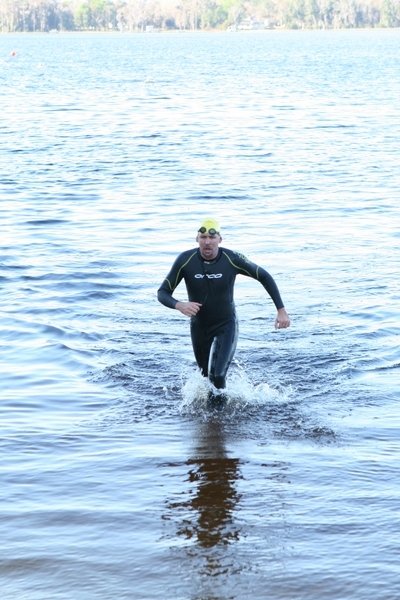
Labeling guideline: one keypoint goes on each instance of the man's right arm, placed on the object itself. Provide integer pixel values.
(165, 297)
(170, 283)
(174, 277)
(189, 309)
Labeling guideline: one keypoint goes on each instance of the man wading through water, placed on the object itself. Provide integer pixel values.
(209, 272)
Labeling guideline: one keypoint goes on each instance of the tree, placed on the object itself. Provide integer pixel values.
(133, 15)
(96, 14)
(390, 13)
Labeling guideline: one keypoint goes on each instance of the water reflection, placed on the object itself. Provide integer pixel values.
(214, 501)
(208, 515)
(225, 543)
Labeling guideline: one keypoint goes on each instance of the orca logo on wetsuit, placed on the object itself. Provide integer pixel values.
(208, 275)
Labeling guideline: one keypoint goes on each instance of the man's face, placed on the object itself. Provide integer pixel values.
(208, 244)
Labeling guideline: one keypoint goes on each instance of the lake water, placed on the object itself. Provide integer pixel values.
(116, 480)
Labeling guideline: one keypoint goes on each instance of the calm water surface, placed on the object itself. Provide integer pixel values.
(116, 481)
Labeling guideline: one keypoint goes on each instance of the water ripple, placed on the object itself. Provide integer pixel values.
(108, 441)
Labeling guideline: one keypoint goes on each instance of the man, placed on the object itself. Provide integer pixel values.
(209, 272)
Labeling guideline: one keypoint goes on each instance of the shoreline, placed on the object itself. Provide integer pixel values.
(199, 31)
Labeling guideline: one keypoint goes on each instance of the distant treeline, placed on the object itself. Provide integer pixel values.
(149, 15)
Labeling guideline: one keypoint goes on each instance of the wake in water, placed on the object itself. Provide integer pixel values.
(240, 394)
(261, 404)
(281, 410)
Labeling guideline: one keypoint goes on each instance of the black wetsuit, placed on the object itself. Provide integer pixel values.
(214, 329)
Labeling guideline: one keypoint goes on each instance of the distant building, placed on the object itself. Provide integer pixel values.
(250, 24)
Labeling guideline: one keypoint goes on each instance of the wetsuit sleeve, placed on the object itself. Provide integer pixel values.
(270, 286)
(172, 280)
(250, 269)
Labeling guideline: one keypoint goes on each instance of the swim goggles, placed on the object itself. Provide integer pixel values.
(211, 231)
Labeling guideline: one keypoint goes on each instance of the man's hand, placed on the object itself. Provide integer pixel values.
(282, 320)
(190, 309)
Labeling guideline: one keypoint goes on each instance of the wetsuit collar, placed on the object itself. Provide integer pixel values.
(210, 262)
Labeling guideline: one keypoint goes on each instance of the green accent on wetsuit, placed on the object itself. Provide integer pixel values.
(243, 271)
(178, 277)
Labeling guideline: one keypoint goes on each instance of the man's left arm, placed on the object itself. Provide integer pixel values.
(246, 267)
(282, 320)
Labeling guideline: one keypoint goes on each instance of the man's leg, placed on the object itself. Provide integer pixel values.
(201, 344)
(222, 352)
